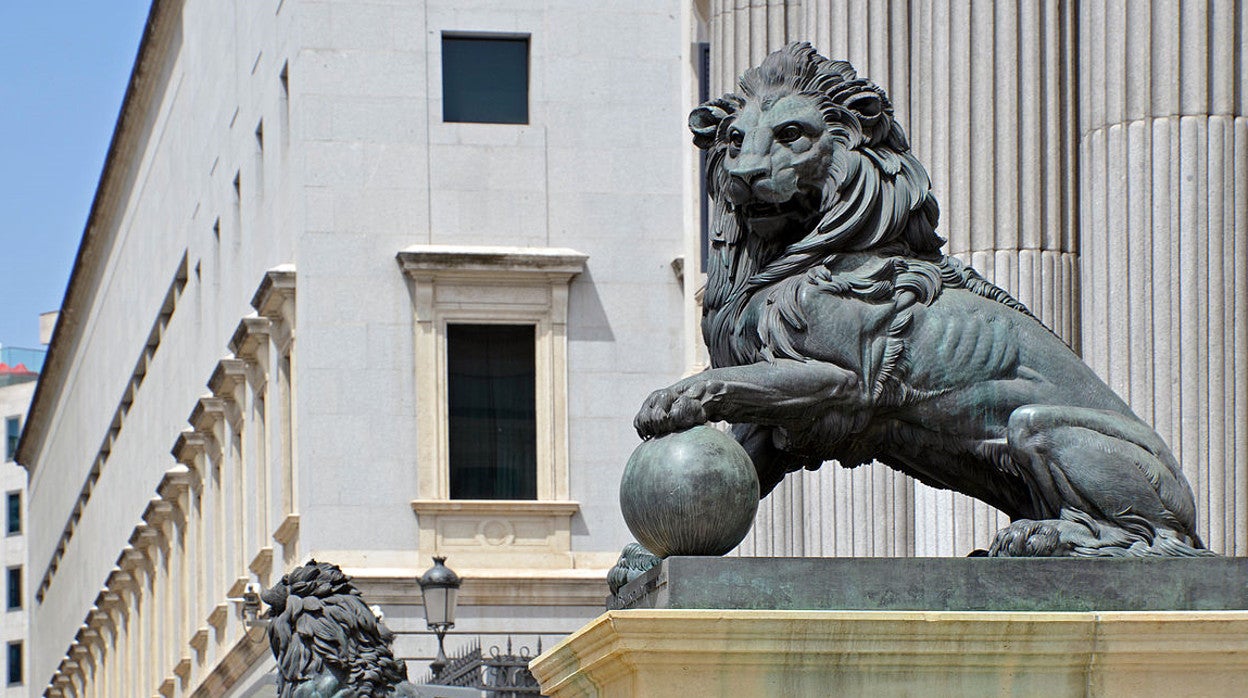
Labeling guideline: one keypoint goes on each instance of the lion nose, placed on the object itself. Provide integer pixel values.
(741, 180)
(748, 172)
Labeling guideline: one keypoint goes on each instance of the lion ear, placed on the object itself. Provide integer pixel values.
(704, 121)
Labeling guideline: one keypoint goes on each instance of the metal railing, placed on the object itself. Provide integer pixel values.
(500, 674)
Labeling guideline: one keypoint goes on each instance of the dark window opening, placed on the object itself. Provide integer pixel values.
(15, 588)
(14, 510)
(15, 663)
(485, 79)
(491, 396)
(12, 432)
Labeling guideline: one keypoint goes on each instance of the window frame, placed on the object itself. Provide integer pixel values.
(8, 588)
(9, 529)
(451, 284)
(11, 440)
(546, 422)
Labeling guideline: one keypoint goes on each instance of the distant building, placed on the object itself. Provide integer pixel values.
(19, 369)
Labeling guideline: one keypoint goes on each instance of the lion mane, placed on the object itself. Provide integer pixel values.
(876, 199)
(326, 640)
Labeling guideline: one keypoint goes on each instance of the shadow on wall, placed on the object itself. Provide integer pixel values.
(587, 319)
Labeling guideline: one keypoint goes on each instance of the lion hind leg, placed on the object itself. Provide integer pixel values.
(1103, 481)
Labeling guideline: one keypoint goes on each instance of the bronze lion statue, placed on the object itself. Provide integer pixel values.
(838, 331)
(327, 641)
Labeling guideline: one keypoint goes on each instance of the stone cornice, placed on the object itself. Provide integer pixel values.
(189, 446)
(277, 287)
(209, 412)
(227, 377)
(177, 481)
(287, 530)
(250, 336)
(158, 513)
(471, 260)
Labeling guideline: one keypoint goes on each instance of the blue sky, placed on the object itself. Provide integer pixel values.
(65, 67)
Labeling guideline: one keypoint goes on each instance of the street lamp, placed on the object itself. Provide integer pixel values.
(439, 591)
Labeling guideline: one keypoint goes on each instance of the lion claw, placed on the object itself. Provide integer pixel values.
(667, 410)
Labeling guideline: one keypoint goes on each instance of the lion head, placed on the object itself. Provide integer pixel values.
(804, 162)
(323, 634)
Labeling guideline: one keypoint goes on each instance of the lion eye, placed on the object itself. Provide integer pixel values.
(789, 133)
(736, 137)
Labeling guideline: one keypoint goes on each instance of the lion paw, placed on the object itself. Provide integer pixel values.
(669, 410)
(1028, 538)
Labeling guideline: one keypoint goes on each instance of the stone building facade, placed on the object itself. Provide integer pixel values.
(256, 361)
(252, 366)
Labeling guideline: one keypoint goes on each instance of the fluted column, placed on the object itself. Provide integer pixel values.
(991, 115)
(743, 32)
(1164, 194)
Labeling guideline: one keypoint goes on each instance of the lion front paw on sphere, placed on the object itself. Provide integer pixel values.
(692, 492)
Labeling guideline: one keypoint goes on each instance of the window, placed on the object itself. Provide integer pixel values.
(15, 663)
(14, 509)
(490, 356)
(12, 431)
(15, 588)
(485, 79)
(491, 409)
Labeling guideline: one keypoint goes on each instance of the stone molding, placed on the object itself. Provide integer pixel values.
(288, 530)
(250, 337)
(524, 534)
(684, 654)
(229, 375)
(275, 296)
(524, 285)
(443, 261)
(494, 587)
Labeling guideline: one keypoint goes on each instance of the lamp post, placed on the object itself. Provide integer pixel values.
(439, 591)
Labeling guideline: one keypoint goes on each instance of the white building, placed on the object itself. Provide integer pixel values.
(19, 369)
(303, 248)
(301, 232)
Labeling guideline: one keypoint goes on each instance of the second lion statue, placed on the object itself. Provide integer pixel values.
(839, 331)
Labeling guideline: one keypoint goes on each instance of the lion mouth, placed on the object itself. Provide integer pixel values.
(766, 210)
(798, 207)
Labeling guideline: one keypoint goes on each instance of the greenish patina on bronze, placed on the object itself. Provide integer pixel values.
(839, 331)
(941, 584)
(327, 642)
(693, 492)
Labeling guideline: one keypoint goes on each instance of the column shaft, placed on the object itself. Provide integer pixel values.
(1164, 183)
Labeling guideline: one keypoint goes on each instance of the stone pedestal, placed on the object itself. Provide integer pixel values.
(696, 653)
(859, 642)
